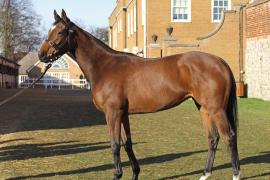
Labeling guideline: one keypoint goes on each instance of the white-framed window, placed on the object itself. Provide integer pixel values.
(131, 22)
(115, 38)
(218, 6)
(110, 38)
(143, 12)
(57, 76)
(60, 63)
(135, 18)
(181, 10)
(128, 24)
(119, 25)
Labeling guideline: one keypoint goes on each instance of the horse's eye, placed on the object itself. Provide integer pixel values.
(61, 33)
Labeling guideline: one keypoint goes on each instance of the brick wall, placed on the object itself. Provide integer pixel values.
(258, 19)
(122, 11)
(257, 51)
(224, 44)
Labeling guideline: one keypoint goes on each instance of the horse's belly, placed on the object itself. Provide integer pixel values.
(154, 102)
(151, 91)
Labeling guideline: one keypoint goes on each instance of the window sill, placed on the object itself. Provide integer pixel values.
(216, 21)
(181, 21)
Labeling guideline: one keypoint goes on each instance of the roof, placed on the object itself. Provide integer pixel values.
(31, 60)
(8, 60)
(27, 62)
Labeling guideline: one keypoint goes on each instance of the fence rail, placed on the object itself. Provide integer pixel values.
(25, 82)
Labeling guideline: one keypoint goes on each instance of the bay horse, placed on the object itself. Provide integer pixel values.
(124, 84)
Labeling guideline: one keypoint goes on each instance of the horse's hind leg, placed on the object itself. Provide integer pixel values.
(234, 155)
(220, 121)
(213, 139)
(126, 139)
(213, 143)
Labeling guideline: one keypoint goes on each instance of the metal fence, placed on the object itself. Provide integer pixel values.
(25, 81)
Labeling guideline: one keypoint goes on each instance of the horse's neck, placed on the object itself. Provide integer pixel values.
(91, 56)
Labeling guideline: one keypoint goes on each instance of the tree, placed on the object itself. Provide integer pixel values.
(101, 33)
(19, 27)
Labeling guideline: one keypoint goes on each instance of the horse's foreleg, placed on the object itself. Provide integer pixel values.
(126, 138)
(114, 118)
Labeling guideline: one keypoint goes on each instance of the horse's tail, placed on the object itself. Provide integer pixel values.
(232, 110)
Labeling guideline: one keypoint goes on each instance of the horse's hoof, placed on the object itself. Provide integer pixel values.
(205, 176)
(117, 177)
(135, 177)
(237, 177)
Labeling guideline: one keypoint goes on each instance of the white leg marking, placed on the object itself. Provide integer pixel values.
(237, 177)
(204, 177)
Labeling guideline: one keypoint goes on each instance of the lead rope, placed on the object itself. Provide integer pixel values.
(23, 90)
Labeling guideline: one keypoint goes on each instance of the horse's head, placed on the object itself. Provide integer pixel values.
(60, 39)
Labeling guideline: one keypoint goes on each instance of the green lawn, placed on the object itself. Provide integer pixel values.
(59, 135)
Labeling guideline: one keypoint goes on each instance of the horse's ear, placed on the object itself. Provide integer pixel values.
(64, 16)
(56, 16)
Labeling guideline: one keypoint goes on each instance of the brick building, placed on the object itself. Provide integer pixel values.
(8, 73)
(257, 60)
(142, 26)
(64, 73)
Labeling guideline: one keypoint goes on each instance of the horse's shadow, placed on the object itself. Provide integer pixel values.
(31, 150)
(49, 109)
(144, 161)
(262, 158)
(258, 159)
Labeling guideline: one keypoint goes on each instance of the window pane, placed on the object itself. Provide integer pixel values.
(185, 4)
(215, 3)
(220, 3)
(180, 16)
(176, 2)
(175, 10)
(185, 16)
(184, 11)
(215, 10)
(179, 10)
(215, 16)
(226, 3)
(220, 10)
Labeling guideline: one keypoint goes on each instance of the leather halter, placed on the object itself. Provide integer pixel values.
(56, 46)
(67, 33)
